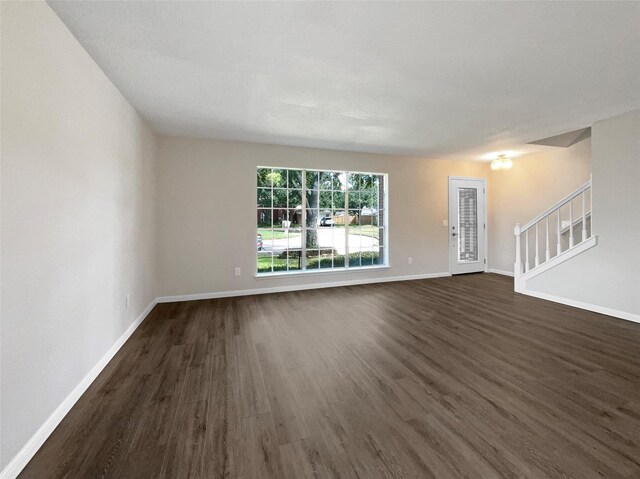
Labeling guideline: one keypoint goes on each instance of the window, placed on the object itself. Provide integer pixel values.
(311, 220)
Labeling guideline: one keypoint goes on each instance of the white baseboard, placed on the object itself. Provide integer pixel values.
(296, 287)
(589, 307)
(23, 457)
(500, 271)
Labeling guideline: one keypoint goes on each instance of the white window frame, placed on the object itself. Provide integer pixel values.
(303, 251)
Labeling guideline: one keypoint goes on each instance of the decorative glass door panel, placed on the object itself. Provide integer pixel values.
(466, 225)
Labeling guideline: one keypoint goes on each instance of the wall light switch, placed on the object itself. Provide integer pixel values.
(238, 271)
(445, 222)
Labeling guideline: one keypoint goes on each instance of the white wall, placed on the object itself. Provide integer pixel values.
(607, 276)
(77, 217)
(206, 206)
(534, 183)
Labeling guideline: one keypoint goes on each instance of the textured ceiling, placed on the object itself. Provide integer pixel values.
(432, 79)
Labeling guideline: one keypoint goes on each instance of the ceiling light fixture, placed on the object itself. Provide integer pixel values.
(501, 163)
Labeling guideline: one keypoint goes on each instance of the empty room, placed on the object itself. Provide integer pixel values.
(319, 239)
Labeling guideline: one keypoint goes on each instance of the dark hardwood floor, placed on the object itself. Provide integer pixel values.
(440, 378)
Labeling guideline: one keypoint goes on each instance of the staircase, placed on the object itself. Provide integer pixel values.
(554, 236)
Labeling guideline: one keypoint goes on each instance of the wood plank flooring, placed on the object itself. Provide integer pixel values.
(441, 378)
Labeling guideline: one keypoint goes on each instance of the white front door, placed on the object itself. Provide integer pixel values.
(467, 226)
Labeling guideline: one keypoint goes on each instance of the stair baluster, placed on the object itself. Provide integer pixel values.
(559, 248)
(526, 251)
(571, 223)
(537, 252)
(584, 216)
(547, 254)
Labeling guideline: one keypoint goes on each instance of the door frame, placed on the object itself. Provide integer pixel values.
(449, 218)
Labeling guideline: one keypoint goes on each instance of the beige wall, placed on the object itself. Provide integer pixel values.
(533, 184)
(207, 199)
(207, 212)
(608, 275)
(77, 217)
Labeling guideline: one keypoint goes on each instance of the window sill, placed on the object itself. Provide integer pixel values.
(285, 274)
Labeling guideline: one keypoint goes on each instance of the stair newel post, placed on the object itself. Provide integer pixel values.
(547, 254)
(584, 215)
(559, 248)
(537, 248)
(570, 223)
(517, 267)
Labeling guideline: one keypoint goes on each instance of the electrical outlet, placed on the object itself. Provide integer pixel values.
(126, 302)
(238, 271)
(410, 260)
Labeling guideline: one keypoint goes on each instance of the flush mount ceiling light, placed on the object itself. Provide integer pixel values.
(501, 163)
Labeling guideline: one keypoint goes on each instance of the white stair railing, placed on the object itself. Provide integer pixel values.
(546, 221)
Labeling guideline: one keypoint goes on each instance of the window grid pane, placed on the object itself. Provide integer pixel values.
(329, 232)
